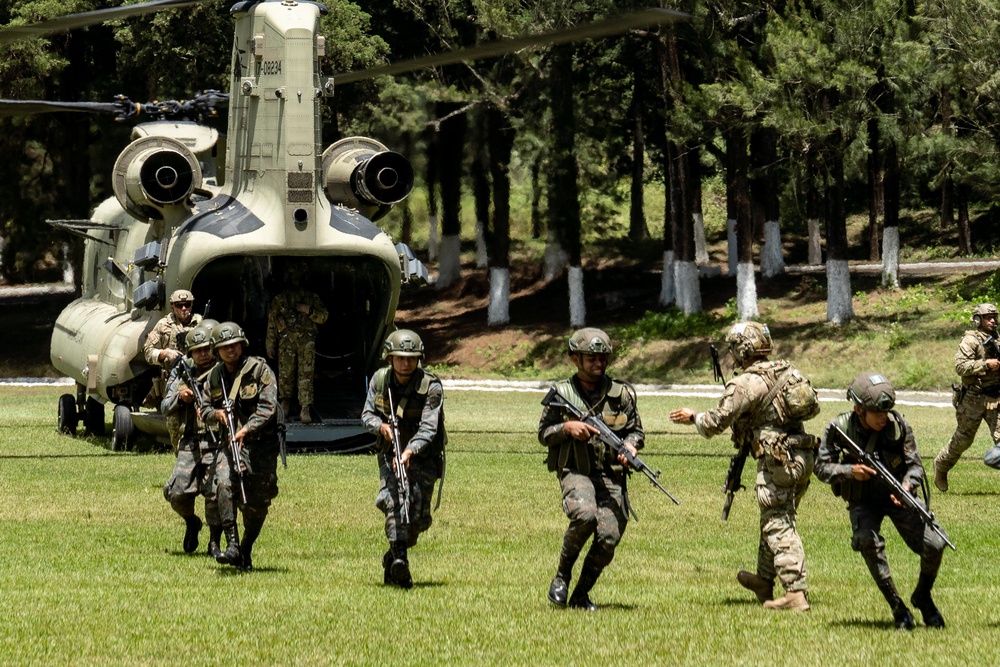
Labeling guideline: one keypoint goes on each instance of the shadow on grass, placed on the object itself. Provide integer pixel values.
(56, 456)
(741, 602)
(880, 624)
(231, 571)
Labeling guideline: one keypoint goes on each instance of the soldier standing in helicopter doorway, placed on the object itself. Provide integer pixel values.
(249, 383)
(417, 397)
(162, 346)
(591, 477)
(292, 323)
(977, 399)
(197, 470)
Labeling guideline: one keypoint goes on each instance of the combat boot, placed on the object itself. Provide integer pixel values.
(386, 562)
(231, 556)
(305, 416)
(214, 535)
(250, 534)
(581, 594)
(761, 587)
(921, 599)
(790, 601)
(399, 568)
(191, 534)
(940, 477)
(901, 616)
(559, 590)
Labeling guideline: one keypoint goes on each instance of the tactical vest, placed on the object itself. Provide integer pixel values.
(244, 390)
(795, 400)
(888, 443)
(410, 409)
(593, 454)
(978, 384)
(188, 420)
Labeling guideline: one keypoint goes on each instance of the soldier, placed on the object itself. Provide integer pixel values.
(249, 383)
(196, 471)
(293, 320)
(418, 399)
(766, 406)
(874, 425)
(162, 346)
(591, 476)
(978, 397)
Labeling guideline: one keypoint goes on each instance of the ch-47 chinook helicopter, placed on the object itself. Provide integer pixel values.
(177, 221)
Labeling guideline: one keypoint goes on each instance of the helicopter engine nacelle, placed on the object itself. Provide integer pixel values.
(154, 175)
(362, 174)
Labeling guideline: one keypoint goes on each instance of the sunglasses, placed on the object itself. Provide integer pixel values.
(182, 304)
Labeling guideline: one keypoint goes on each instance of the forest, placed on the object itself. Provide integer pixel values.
(807, 111)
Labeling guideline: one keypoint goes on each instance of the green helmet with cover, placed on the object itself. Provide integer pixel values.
(590, 341)
(403, 343)
(197, 338)
(872, 391)
(749, 340)
(209, 324)
(983, 309)
(228, 333)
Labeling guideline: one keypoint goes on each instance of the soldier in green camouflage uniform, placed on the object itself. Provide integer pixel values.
(293, 321)
(875, 426)
(755, 404)
(978, 398)
(252, 388)
(162, 348)
(418, 399)
(591, 476)
(195, 470)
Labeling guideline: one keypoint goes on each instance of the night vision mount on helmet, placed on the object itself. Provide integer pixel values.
(871, 391)
(590, 341)
(403, 343)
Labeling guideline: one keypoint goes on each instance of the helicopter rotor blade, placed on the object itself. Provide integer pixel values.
(612, 26)
(14, 33)
(31, 107)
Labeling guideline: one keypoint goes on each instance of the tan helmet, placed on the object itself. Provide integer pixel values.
(181, 295)
(227, 333)
(983, 309)
(199, 337)
(403, 343)
(871, 391)
(590, 341)
(748, 340)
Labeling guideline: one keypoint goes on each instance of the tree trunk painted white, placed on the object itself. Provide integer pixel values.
(815, 244)
(731, 242)
(577, 305)
(450, 266)
(746, 292)
(839, 308)
(772, 262)
(482, 258)
(668, 291)
(890, 257)
(432, 238)
(700, 246)
(556, 258)
(67, 265)
(498, 313)
(688, 287)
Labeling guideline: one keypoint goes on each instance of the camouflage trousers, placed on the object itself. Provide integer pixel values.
(296, 366)
(972, 411)
(198, 472)
(780, 488)
(422, 473)
(866, 524)
(260, 482)
(595, 506)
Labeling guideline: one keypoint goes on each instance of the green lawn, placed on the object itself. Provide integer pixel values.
(93, 573)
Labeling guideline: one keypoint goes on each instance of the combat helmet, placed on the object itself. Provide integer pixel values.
(403, 343)
(871, 391)
(228, 333)
(209, 324)
(748, 340)
(983, 309)
(197, 338)
(590, 341)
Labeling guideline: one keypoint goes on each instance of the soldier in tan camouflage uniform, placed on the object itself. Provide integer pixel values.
(978, 398)
(162, 347)
(756, 404)
(293, 321)
(591, 477)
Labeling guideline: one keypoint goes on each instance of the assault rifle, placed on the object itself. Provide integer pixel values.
(607, 436)
(734, 476)
(402, 479)
(234, 450)
(182, 368)
(872, 460)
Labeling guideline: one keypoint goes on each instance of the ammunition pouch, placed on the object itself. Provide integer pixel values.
(992, 391)
(779, 445)
(848, 490)
(957, 394)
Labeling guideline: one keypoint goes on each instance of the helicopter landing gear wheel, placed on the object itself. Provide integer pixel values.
(67, 419)
(122, 428)
(93, 417)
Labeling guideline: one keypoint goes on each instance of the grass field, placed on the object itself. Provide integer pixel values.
(93, 571)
